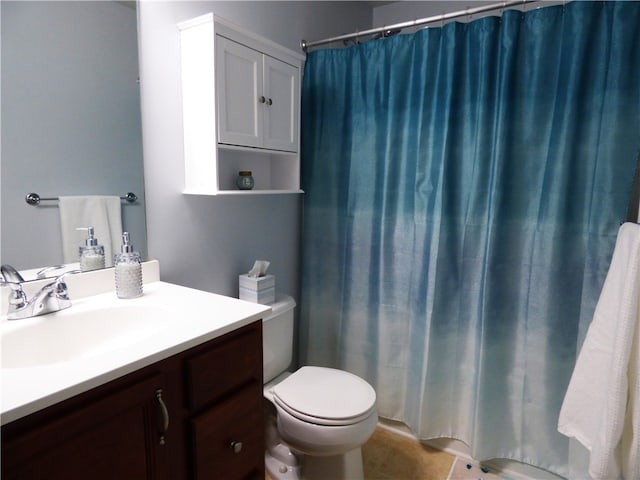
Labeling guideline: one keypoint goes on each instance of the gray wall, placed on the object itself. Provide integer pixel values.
(205, 242)
(70, 119)
(404, 11)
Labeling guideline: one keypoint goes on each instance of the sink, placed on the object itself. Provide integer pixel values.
(79, 332)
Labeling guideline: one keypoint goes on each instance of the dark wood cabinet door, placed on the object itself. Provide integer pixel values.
(114, 437)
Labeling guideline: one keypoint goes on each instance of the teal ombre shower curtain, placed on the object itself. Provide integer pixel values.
(464, 186)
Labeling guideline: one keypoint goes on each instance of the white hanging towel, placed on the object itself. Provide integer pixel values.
(103, 213)
(601, 408)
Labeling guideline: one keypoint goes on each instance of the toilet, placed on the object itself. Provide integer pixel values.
(316, 418)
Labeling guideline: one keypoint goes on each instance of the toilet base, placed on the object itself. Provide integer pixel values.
(279, 470)
(347, 466)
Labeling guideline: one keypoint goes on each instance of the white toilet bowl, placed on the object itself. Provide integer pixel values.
(323, 415)
(324, 412)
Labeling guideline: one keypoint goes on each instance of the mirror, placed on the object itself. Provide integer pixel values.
(70, 120)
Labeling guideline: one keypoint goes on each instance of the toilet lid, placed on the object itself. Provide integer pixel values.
(325, 396)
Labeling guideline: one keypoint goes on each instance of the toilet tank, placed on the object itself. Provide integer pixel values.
(277, 337)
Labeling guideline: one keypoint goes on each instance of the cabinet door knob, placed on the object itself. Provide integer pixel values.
(269, 101)
(261, 99)
(165, 416)
(236, 447)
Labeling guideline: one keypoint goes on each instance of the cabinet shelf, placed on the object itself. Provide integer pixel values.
(242, 192)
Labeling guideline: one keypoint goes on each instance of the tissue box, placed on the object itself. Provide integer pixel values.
(258, 289)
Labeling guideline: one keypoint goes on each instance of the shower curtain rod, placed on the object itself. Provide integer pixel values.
(392, 29)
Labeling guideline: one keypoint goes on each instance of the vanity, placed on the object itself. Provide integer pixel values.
(174, 393)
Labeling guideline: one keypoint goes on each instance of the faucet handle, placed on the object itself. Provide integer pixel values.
(17, 297)
(60, 286)
(60, 290)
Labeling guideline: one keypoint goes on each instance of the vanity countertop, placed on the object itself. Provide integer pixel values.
(199, 317)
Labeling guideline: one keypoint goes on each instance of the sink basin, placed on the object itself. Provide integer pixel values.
(79, 332)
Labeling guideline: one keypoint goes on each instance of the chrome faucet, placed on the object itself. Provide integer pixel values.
(10, 274)
(52, 297)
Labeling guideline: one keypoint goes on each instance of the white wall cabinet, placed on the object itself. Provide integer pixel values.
(241, 109)
(258, 100)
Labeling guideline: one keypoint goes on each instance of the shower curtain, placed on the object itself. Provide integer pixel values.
(463, 189)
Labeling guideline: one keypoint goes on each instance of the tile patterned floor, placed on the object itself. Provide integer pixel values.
(389, 456)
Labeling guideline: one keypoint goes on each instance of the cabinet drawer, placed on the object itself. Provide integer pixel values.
(231, 363)
(228, 438)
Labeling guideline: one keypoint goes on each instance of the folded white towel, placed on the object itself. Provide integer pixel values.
(601, 408)
(103, 213)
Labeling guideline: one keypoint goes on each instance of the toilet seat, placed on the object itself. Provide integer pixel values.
(325, 396)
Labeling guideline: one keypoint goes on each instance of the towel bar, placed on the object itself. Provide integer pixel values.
(35, 199)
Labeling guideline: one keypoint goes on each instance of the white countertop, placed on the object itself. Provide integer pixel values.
(200, 316)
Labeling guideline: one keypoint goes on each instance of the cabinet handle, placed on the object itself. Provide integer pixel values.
(165, 416)
(236, 447)
(261, 99)
(269, 101)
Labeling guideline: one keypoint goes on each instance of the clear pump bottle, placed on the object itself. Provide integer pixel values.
(128, 270)
(91, 254)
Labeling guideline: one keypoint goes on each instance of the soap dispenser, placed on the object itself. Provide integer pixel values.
(91, 254)
(128, 270)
